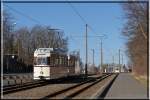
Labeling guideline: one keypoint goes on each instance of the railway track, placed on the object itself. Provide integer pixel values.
(73, 91)
(16, 85)
(25, 86)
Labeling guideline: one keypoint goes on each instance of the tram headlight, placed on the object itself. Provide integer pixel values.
(41, 72)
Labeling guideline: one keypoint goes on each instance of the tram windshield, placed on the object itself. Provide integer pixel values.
(41, 61)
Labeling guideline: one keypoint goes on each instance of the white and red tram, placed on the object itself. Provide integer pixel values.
(52, 63)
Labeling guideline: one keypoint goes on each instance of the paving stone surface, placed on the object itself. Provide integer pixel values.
(126, 87)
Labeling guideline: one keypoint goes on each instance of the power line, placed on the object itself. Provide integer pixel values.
(82, 18)
(73, 38)
(91, 36)
(29, 17)
(92, 29)
(74, 9)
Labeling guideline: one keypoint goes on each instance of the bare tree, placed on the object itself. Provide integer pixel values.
(38, 37)
(136, 31)
(8, 36)
(24, 41)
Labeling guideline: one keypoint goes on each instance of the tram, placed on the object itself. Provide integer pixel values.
(52, 63)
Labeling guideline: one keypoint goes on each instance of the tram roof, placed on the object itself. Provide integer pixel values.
(47, 51)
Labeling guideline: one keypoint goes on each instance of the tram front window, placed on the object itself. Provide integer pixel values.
(41, 61)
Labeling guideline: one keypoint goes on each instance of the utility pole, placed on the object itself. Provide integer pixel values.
(113, 63)
(79, 54)
(86, 52)
(102, 57)
(113, 59)
(119, 62)
(93, 56)
(122, 59)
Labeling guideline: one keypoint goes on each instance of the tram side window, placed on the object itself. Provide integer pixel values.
(48, 60)
(56, 61)
(60, 61)
(51, 61)
(70, 62)
(65, 62)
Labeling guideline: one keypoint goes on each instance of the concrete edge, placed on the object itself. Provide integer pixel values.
(101, 90)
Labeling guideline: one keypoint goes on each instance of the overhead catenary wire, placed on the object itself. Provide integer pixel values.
(38, 22)
(89, 36)
(75, 10)
(81, 17)
(86, 45)
(27, 16)
(73, 38)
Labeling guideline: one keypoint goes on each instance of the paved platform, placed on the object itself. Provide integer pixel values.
(126, 87)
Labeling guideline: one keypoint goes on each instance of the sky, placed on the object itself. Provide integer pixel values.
(104, 18)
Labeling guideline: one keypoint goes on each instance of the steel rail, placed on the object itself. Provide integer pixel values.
(19, 85)
(85, 88)
(24, 87)
(76, 86)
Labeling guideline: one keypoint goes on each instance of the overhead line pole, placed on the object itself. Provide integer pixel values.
(119, 62)
(101, 52)
(86, 52)
(113, 63)
(113, 59)
(122, 62)
(93, 56)
(102, 56)
(122, 59)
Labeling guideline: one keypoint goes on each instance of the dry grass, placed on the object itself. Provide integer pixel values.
(141, 78)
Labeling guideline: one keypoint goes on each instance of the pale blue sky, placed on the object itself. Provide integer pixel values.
(105, 18)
